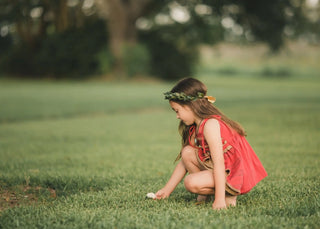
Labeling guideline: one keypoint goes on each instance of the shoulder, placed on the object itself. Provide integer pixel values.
(212, 122)
(212, 125)
(211, 131)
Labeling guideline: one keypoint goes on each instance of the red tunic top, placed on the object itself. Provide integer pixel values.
(243, 168)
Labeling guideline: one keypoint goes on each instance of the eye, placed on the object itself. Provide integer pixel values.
(175, 110)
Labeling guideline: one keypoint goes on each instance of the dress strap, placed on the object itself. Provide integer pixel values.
(201, 127)
(192, 130)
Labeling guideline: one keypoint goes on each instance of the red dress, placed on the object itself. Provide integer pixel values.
(243, 168)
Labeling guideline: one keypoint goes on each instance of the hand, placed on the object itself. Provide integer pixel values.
(162, 194)
(219, 204)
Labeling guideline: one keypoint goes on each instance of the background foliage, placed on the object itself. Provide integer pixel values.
(81, 38)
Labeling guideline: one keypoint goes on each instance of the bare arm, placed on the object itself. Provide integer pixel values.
(178, 173)
(213, 138)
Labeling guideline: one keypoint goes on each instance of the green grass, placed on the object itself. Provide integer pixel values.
(102, 146)
(43, 100)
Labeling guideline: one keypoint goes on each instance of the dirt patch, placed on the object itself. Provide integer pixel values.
(24, 195)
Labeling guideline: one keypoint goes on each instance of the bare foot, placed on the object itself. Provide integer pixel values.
(231, 201)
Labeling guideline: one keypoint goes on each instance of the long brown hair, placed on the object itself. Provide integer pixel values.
(202, 108)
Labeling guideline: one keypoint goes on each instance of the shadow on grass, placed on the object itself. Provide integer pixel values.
(21, 191)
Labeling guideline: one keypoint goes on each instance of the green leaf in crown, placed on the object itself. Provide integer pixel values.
(182, 96)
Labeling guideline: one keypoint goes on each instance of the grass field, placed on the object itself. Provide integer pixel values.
(84, 154)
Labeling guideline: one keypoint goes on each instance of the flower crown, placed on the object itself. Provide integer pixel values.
(183, 97)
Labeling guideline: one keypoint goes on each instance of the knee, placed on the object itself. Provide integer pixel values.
(191, 184)
(187, 153)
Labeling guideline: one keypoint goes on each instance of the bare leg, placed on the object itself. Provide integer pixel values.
(200, 180)
(192, 165)
(203, 183)
(189, 160)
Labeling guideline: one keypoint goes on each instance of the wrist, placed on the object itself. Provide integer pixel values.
(220, 200)
(167, 191)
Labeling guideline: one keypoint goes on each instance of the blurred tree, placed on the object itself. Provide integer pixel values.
(173, 34)
(265, 21)
(167, 32)
(31, 18)
(121, 17)
(303, 20)
(180, 25)
(49, 38)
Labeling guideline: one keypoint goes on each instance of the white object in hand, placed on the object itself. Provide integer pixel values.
(151, 195)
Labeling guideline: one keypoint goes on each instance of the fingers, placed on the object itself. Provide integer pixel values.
(161, 195)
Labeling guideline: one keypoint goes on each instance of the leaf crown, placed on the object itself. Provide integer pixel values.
(182, 96)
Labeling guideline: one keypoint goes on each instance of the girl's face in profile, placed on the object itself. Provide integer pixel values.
(184, 113)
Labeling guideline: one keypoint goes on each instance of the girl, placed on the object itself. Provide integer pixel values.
(215, 153)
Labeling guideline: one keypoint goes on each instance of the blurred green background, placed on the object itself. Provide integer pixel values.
(85, 132)
(80, 39)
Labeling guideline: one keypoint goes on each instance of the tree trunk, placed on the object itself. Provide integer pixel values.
(117, 25)
(61, 16)
(121, 16)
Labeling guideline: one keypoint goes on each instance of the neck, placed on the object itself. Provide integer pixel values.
(197, 121)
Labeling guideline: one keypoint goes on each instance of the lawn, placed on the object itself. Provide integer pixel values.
(84, 154)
